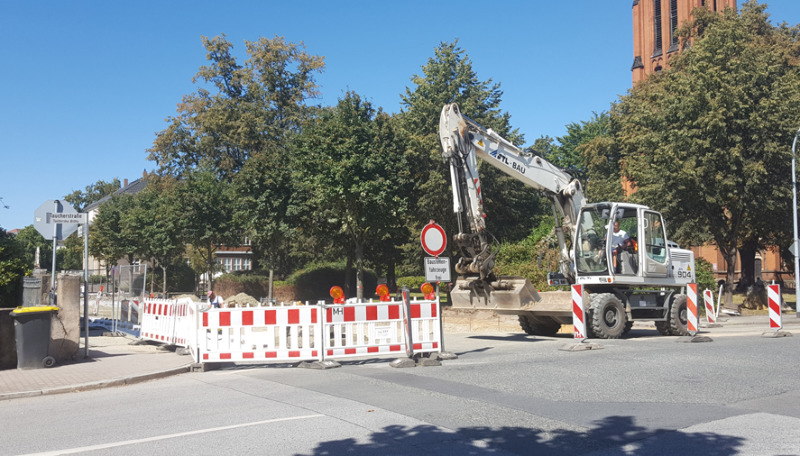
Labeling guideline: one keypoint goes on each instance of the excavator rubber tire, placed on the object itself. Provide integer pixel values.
(538, 326)
(663, 328)
(678, 319)
(608, 316)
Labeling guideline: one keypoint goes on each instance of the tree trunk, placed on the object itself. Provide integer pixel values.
(747, 255)
(164, 289)
(391, 277)
(730, 277)
(348, 277)
(359, 271)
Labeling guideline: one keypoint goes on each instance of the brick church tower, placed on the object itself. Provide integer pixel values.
(655, 23)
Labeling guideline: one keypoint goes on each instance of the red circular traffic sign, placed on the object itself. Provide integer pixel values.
(433, 239)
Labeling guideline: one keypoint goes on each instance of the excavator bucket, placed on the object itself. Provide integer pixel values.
(510, 293)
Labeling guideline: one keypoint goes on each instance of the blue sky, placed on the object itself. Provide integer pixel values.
(85, 85)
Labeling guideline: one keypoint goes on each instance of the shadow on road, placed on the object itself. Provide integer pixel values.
(608, 437)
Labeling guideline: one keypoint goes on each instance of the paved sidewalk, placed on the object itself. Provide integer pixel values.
(112, 361)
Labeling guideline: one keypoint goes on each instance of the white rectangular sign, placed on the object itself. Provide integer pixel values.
(65, 218)
(437, 269)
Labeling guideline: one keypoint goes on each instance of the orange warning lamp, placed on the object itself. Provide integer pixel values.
(428, 290)
(337, 294)
(383, 292)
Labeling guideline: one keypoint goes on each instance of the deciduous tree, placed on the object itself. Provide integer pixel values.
(709, 141)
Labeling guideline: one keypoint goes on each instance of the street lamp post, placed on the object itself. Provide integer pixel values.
(796, 243)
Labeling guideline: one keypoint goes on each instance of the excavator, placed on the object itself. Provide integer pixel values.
(618, 251)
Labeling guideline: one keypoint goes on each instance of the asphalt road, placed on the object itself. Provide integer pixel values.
(506, 394)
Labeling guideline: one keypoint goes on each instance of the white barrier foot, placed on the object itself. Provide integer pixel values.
(710, 325)
(581, 346)
(445, 356)
(403, 362)
(326, 364)
(695, 339)
(776, 334)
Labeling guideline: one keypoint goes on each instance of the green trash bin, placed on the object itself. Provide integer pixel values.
(32, 336)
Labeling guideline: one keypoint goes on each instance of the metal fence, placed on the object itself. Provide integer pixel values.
(114, 298)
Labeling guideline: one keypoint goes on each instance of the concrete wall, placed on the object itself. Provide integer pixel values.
(65, 331)
(8, 348)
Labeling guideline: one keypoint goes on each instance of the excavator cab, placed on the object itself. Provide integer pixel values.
(618, 240)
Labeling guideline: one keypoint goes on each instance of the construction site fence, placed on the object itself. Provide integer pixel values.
(294, 332)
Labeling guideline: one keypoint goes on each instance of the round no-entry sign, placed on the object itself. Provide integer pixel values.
(433, 239)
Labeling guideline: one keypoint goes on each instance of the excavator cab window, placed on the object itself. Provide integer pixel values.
(624, 244)
(590, 250)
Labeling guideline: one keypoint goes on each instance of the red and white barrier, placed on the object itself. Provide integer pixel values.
(711, 316)
(691, 308)
(158, 320)
(578, 313)
(292, 333)
(363, 329)
(259, 334)
(377, 328)
(774, 297)
(169, 321)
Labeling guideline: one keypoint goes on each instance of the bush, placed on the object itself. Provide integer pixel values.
(412, 282)
(704, 276)
(314, 282)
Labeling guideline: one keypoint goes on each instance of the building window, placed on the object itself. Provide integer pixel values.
(237, 264)
(227, 264)
(657, 49)
(247, 264)
(673, 25)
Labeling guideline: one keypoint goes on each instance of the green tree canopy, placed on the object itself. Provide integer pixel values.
(239, 108)
(205, 208)
(12, 269)
(448, 77)
(351, 166)
(92, 194)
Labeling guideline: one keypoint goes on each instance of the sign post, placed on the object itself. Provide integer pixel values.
(434, 242)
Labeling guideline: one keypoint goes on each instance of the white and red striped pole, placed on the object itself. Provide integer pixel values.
(708, 297)
(578, 313)
(774, 296)
(691, 308)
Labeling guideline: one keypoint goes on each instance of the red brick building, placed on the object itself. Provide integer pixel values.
(655, 23)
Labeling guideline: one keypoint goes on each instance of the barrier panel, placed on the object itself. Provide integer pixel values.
(158, 320)
(426, 332)
(363, 329)
(259, 334)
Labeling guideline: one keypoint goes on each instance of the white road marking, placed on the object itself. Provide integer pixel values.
(168, 436)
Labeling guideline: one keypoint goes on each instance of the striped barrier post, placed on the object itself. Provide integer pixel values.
(578, 313)
(774, 296)
(708, 297)
(691, 308)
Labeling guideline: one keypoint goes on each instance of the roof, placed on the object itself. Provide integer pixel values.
(131, 189)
